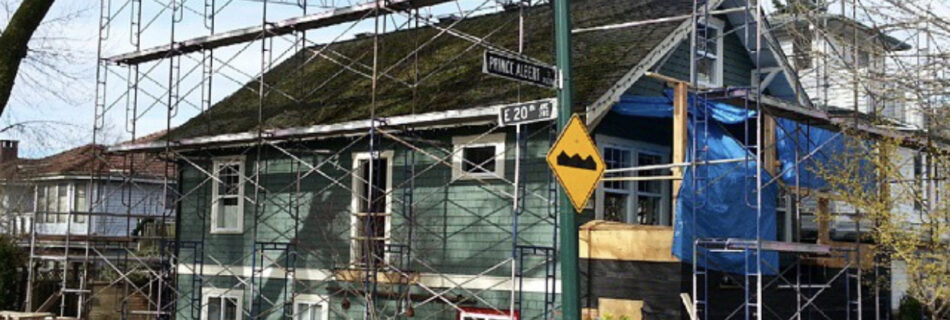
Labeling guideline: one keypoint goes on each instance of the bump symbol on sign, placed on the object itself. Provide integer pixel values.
(576, 162)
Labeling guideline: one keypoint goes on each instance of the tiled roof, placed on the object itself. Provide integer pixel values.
(87, 160)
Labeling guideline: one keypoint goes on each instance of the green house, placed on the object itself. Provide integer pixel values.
(332, 196)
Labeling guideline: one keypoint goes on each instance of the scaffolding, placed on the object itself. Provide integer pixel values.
(799, 260)
(391, 275)
(175, 79)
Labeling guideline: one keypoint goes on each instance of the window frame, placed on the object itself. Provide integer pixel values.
(62, 210)
(217, 163)
(355, 198)
(635, 148)
(48, 207)
(717, 78)
(235, 293)
(459, 143)
(75, 207)
(627, 190)
(39, 203)
(312, 300)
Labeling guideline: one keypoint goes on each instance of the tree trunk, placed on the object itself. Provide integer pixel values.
(14, 42)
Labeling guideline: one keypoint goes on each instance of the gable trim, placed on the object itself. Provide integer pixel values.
(787, 71)
(597, 110)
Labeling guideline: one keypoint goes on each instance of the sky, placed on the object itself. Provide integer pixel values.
(56, 92)
(59, 105)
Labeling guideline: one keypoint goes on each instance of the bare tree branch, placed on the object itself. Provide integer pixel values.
(14, 42)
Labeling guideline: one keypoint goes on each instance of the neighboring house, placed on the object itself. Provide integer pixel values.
(75, 189)
(79, 213)
(834, 73)
(296, 214)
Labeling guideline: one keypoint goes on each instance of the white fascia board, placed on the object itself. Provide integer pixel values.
(114, 178)
(439, 119)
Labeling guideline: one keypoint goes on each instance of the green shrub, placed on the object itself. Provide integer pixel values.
(910, 309)
(13, 262)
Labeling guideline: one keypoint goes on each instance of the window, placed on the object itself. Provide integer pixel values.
(635, 202)
(864, 57)
(79, 203)
(709, 53)
(802, 41)
(227, 211)
(41, 204)
(372, 180)
(784, 215)
(468, 313)
(311, 307)
(650, 193)
(52, 203)
(617, 194)
(16, 199)
(222, 304)
(62, 202)
(478, 157)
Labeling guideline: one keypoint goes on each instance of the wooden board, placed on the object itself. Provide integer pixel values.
(15, 315)
(381, 277)
(680, 134)
(626, 242)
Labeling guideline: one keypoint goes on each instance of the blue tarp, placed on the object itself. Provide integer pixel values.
(725, 204)
(820, 150)
(815, 146)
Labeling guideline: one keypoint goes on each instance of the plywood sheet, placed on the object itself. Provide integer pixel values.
(619, 241)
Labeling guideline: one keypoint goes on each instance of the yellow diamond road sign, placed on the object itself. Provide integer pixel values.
(576, 162)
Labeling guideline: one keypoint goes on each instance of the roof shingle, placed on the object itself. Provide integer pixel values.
(329, 84)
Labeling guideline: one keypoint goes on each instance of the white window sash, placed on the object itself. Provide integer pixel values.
(312, 300)
(632, 192)
(717, 65)
(222, 293)
(355, 226)
(460, 143)
(217, 198)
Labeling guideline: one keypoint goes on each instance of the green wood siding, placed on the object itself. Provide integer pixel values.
(458, 227)
(736, 64)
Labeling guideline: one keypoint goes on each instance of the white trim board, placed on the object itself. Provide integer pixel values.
(597, 110)
(355, 199)
(439, 119)
(432, 280)
(107, 177)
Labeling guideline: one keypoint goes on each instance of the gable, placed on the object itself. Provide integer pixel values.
(671, 58)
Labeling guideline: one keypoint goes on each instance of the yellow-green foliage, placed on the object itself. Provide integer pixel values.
(876, 177)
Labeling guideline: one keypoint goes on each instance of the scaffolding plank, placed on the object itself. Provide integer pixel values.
(282, 27)
(768, 245)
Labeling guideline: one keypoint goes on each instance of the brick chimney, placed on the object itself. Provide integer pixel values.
(8, 150)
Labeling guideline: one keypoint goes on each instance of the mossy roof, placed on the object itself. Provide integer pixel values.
(329, 84)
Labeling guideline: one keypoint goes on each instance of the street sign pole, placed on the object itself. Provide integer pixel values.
(570, 282)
